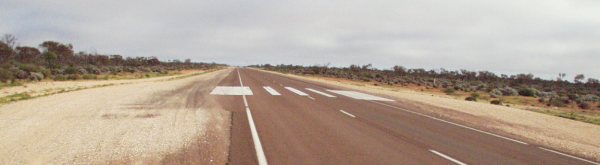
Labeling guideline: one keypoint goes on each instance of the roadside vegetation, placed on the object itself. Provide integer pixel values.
(578, 99)
(53, 60)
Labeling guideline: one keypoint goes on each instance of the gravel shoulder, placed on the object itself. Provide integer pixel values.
(150, 121)
(570, 136)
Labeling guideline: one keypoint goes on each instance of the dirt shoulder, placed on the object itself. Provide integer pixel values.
(149, 121)
(563, 134)
(45, 88)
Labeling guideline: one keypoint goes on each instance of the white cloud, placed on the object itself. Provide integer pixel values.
(543, 37)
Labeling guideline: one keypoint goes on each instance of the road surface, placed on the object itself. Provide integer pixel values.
(280, 120)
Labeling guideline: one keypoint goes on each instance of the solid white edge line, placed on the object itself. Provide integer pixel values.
(260, 154)
(447, 157)
(344, 112)
(449, 122)
(319, 92)
(567, 155)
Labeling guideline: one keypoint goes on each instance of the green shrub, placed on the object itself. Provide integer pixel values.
(89, 76)
(496, 102)
(529, 92)
(471, 98)
(73, 77)
(70, 70)
(6, 75)
(558, 101)
(584, 105)
(60, 77)
(475, 95)
(29, 68)
(449, 91)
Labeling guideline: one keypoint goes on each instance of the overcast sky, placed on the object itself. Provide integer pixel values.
(543, 37)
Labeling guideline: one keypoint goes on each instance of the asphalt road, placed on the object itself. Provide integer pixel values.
(293, 128)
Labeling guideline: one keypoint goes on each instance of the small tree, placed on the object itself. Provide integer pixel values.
(578, 78)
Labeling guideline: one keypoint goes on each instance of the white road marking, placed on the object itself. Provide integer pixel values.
(230, 90)
(570, 156)
(358, 95)
(349, 114)
(311, 98)
(298, 92)
(271, 91)
(449, 122)
(319, 92)
(447, 157)
(260, 154)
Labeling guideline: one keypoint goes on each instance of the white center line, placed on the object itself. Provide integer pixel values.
(298, 92)
(349, 114)
(447, 157)
(260, 154)
(271, 91)
(319, 92)
(567, 155)
(449, 122)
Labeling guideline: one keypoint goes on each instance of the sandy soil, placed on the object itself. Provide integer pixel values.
(566, 135)
(48, 87)
(150, 121)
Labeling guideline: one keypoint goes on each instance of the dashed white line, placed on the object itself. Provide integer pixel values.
(298, 92)
(319, 92)
(447, 157)
(271, 91)
(349, 114)
(570, 156)
(449, 122)
(260, 154)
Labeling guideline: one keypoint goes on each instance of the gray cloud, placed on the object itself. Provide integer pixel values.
(543, 37)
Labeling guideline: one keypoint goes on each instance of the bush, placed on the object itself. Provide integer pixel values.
(5, 75)
(471, 98)
(584, 105)
(529, 92)
(73, 77)
(60, 77)
(29, 67)
(475, 95)
(36, 76)
(70, 70)
(508, 91)
(496, 93)
(558, 101)
(449, 91)
(21, 74)
(496, 102)
(89, 76)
